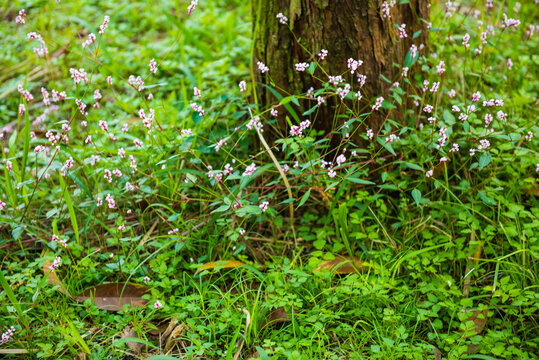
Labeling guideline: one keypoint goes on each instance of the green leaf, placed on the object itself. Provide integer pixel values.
(484, 160)
(413, 166)
(486, 199)
(310, 111)
(262, 353)
(384, 176)
(385, 79)
(416, 194)
(360, 181)
(416, 34)
(448, 117)
(304, 198)
(408, 61)
(312, 67)
(70, 208)
(221, 208)
(249, 209)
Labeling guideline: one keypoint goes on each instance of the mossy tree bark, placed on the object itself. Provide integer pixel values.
(347, 29)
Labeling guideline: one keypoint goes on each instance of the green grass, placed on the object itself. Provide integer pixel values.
(430, 252)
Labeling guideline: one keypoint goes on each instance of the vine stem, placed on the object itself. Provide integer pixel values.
(283, 176)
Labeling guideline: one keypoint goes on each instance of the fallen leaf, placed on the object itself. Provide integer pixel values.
(275, 317)
(171, 326)
(437, 354)
(479, 318)
(343, 265)
(172, 338)
(129, 333)
(223, 264)
(113, 296)
(247, 323)
(533, 190)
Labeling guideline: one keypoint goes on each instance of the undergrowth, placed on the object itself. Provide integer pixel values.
(133, 152)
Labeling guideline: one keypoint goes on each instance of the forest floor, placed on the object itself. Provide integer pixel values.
(120, 239)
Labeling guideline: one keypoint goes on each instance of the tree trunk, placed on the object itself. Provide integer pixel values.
(347, 29)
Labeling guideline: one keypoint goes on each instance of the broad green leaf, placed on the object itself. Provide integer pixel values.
(416, 194)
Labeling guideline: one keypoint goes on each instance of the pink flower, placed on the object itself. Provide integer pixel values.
(322, 54)
(282, 19)
(90, 41)
(354, 64)
(157, 304)
(332, 173)
(465, 40)
(20, 19)
(2, 205)
(385, 10)
(110, 201)
(264, 206)
(301, 66)
(429, 173)
(402, 31)
(370, 134)
(243, 86)
(146, 279)
(509, 63)
(262, 67)
(428, 108)
(249, 170)
(476, 96)
(378, 103)
(197, 92)
(56, 263)
(153, 66)
(192, 6)
(103, 26)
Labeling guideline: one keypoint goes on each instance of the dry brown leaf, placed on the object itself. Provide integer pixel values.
(437, 354)
(53, 279)
(479, 318)
(136, 347)
(171, 326)
(343, 265)
(220, 264)
(276, 316)
(113, 296)
(247, 323)
(172, 338)
(533, 190)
